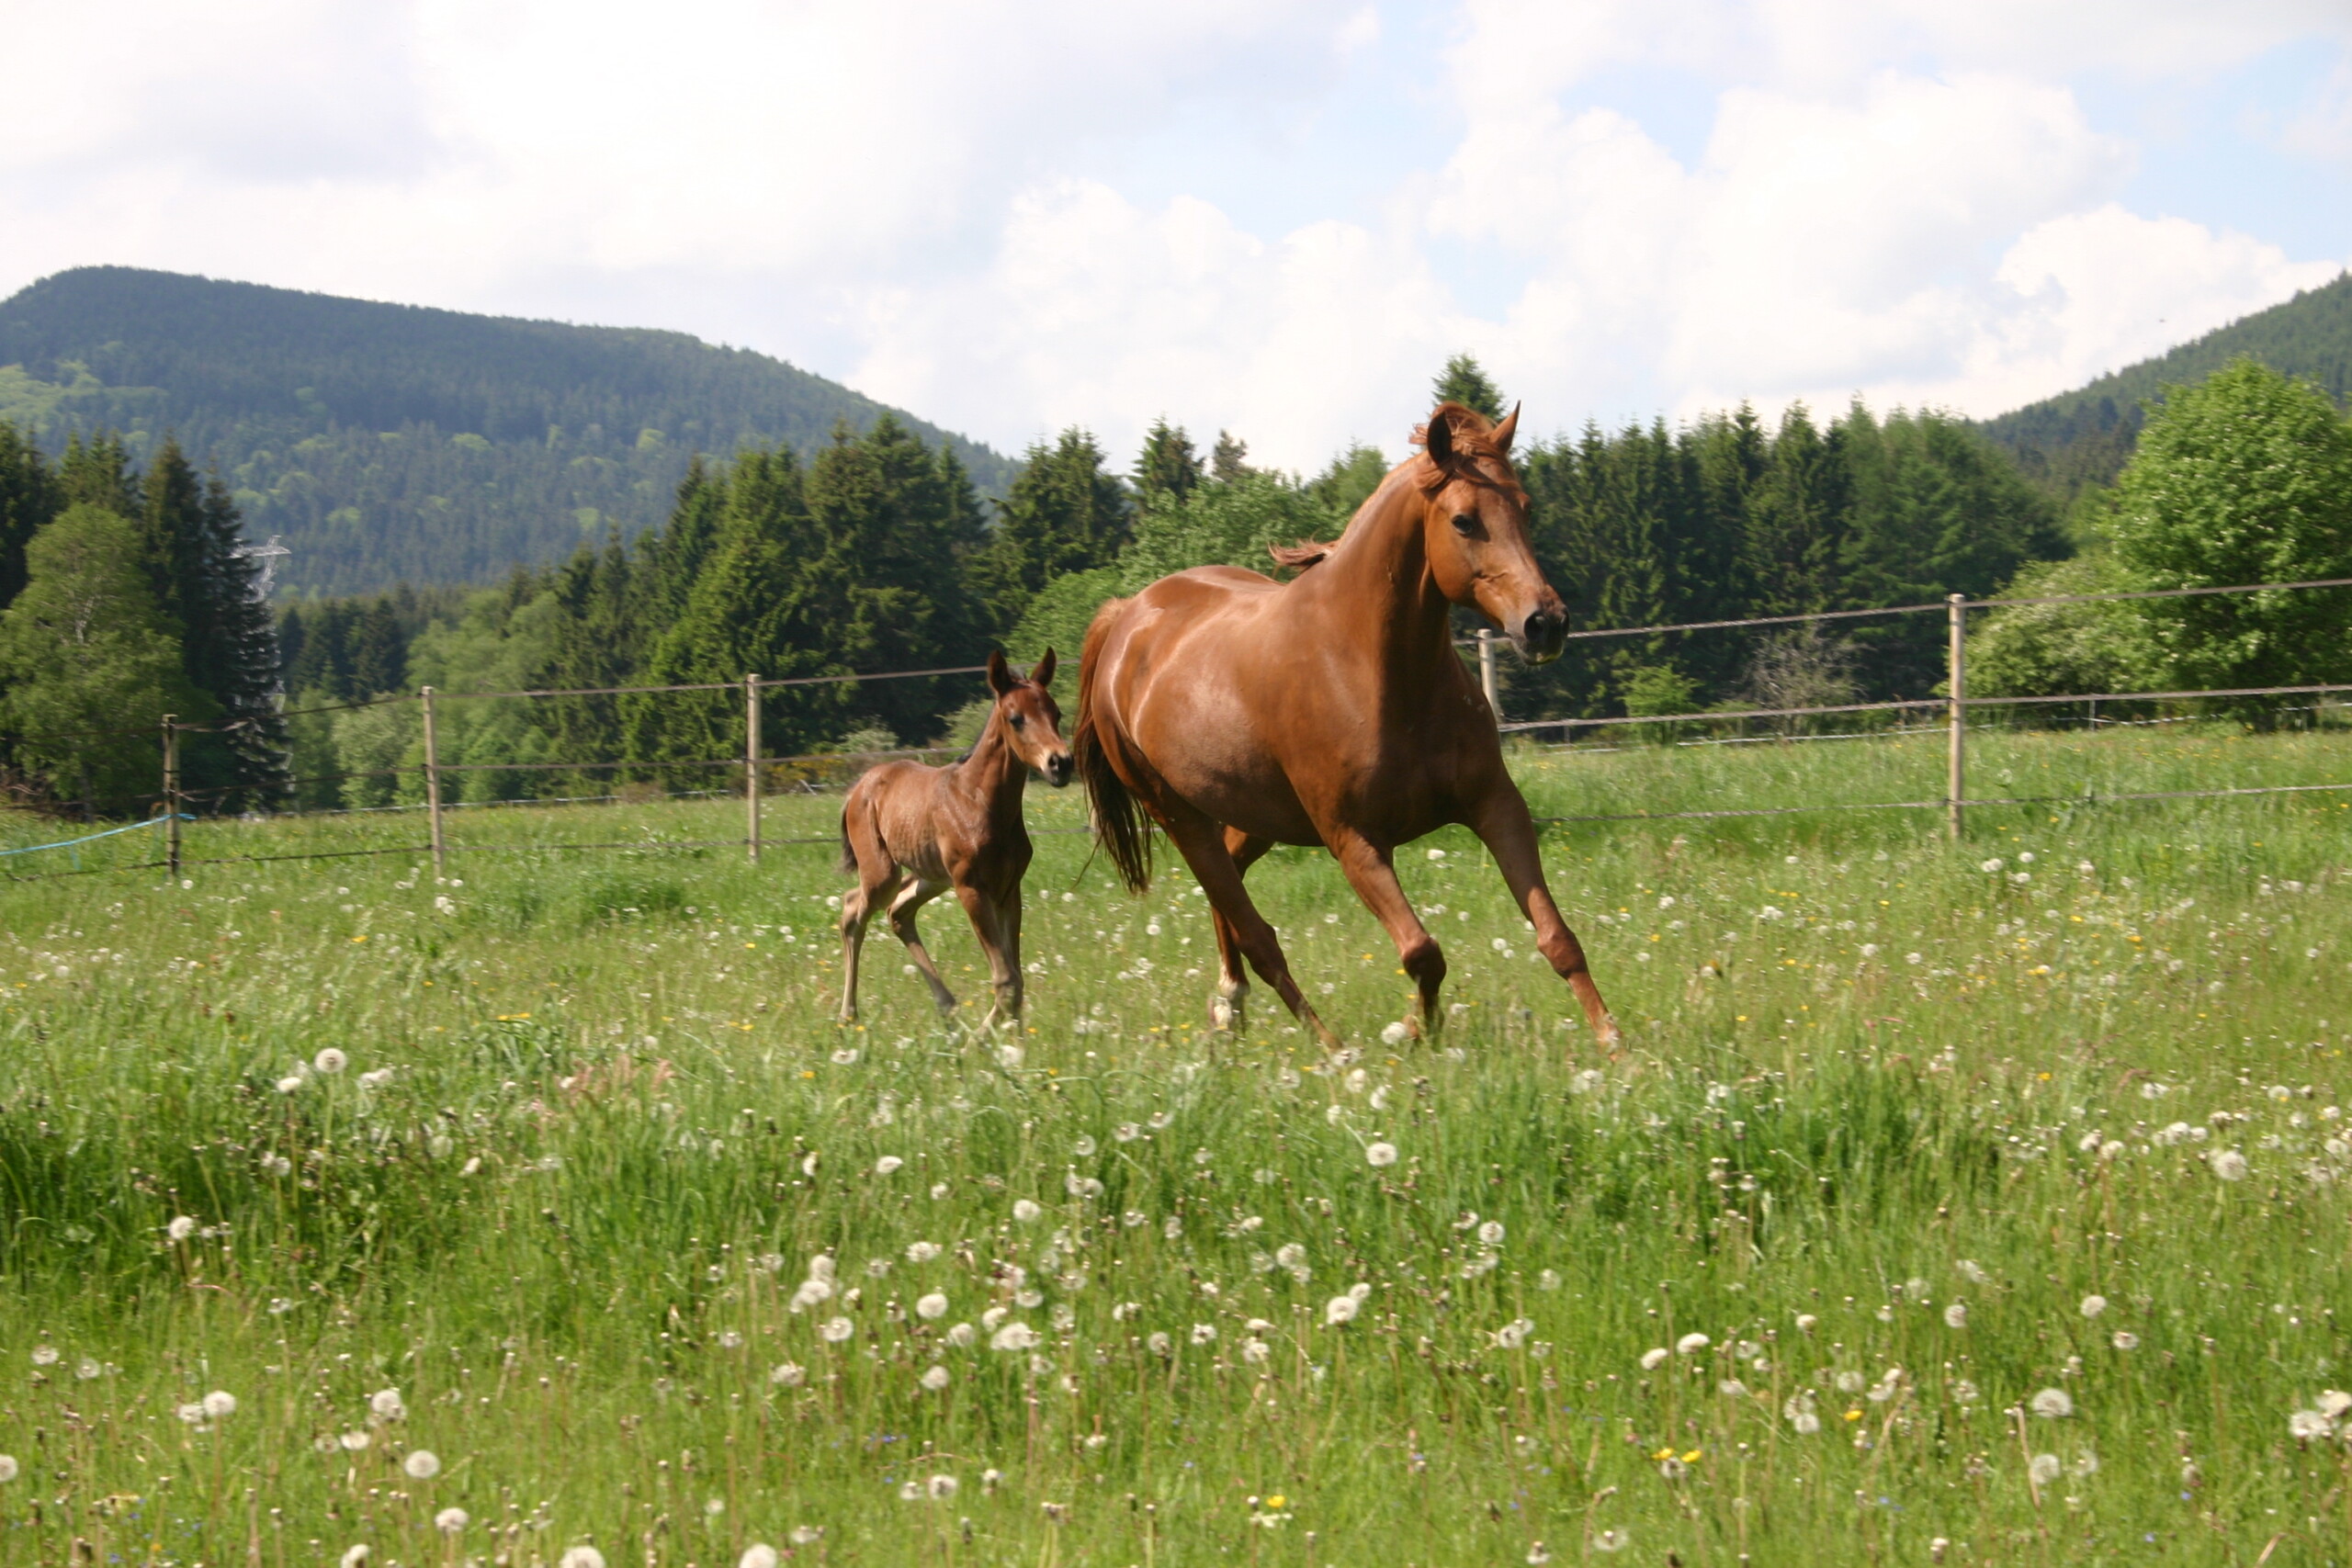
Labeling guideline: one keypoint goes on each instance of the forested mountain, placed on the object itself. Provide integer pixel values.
(392, 443)
(2082, 438)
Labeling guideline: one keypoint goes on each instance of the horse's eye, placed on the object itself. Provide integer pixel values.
(1017, 720)
(1464, 524)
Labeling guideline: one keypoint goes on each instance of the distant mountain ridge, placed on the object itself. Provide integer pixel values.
(2083, 437)
(391, 443)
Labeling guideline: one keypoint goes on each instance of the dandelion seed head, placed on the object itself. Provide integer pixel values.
(1027, 1211)
(450, 1521)
(1340, 1309)
(1691, 1344)
(2229, 1164)
(7, 1469)
(1654, 1359)
(888, 1164)
(2044, 1468)
(181, 1228)
(1380, 1155)
(759, 1554)
(581, 1557)
(1611, 1541)
(835, 1330)
(330, 1061)
(423, 1465)
(2051, 1404)
(1956, 1316)
(930, 1307)
(219, 1405)
(789, 1375)
(2094, 1304)
(933, 1378)
(355, 1440)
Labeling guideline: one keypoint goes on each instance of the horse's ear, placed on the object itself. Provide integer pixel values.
(1506, 429)
(1000, 673)
(1438, 440)
(1043, 673)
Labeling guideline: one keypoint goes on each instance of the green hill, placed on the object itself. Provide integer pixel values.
(391, 443)
(2083, 437)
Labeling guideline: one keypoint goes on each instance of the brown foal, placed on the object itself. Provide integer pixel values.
(1240, 713)
(909, 833)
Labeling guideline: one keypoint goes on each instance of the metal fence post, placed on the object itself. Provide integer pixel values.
(751, 766)
(1486, 673)
(171, 793)
(433, 782)
(1957, 688)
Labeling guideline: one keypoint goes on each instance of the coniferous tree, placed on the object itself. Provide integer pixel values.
(96, 472)
(378, 652)
(30, 498)
(317, 643)
(1065, 514)
(1167, 467)
(1465, 382)
(598, 641)
(1229, 459)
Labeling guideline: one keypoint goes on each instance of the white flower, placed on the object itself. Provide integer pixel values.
(1203, 1332)
(922, 1251)
(836, 1329)
(356, 1558)
(1956, 1316)
(219, 1405)
(759, 1554)
(930, 1307)
(2125, 1340)
(1491, 1233)
(422, 1463)
(1394, 1034)
(1015, 1336)
(2044, 1468)
(1805, 1423)
(942, 1488)
(1027, 1211)
(963, 1336)
(933, 1378)
(1652, 1359)
(287, 1085)
(330, 1061)
(1340, 1309)
(355, 1440)
(1255, 1351)
(1380, 1155)
(181, 1228)
(1691, 1344)
(789, 1375)
(2230, 1166)
(887, 1164)
(2094, 1304)
(2333, 1402)
(1512, 1334)
(385, 1404)
(1994, 865)
(7, 1469)
(1611, 1541)
(1805, 1321)
(2051, 1404)
(2309, 1425)
(450, 1521)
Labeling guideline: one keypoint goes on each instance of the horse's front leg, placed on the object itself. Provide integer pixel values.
(1228, 1007)
(1373, 873)
(1501, 821)
(986, 912)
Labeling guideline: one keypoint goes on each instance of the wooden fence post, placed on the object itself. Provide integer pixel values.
(1486, 673)
(171, 793)
(751, 766)
(1957, 690)
(433, 784)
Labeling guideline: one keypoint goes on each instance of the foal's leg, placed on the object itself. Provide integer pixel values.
(1228, 1006)
(1373, 873)
(1502, 822)
(986, 915)
(857, 907)
(918, 892)
(1202, 844)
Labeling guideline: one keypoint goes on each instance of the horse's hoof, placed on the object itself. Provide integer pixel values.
(1223, 1014)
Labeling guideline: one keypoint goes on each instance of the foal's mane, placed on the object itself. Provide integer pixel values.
(1473, 448)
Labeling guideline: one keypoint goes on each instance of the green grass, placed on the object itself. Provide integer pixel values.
(1863, 1080)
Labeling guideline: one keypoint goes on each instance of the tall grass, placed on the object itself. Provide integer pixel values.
(1893, 1113)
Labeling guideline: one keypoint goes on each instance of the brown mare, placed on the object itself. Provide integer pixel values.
(1241, 713)
(909, 833)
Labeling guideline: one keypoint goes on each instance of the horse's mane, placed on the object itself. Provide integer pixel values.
(1474, 440)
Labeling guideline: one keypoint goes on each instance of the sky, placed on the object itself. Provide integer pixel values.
(1276, 217)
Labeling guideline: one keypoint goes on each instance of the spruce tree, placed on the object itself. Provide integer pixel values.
(30, 498)
(1463, 381)
(1229, 459)
(1166, 468)
(96, 472)
(378, 652)
(1065, 513)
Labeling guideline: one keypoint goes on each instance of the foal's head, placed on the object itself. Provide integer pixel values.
(1032, 721)
(1475, 530)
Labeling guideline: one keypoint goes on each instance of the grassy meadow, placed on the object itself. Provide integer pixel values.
(1978, 1204)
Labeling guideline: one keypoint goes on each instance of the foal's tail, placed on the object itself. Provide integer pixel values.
(1120, 826)
(848, 862)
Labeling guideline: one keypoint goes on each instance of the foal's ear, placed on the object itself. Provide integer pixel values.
(1044, 672)
(1437, 442)
(1506, 429)
(1001, 679)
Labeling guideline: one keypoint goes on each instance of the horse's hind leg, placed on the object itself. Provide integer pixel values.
(913, 896)
(1509, 835)
(1228, 1008)
(1373, 875)
(857, 907)
(1203, 844)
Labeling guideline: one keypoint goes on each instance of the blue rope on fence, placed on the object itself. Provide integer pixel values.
(69, 843)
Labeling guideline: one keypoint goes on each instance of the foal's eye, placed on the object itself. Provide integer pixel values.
(1464, 524)
(1017, 720)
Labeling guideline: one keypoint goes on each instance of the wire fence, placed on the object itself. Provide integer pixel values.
(764, 776)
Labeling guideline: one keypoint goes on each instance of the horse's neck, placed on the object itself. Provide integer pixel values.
(1378, 577)
(993, 774)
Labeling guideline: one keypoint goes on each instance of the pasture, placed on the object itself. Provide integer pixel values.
(1978, 1204)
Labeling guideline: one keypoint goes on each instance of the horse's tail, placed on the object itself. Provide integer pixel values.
(1120, 826)
(852, 802)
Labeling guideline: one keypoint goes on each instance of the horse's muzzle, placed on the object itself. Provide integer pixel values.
(1057, 769)
(1542, 635)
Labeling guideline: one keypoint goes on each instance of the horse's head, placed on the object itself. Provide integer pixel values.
(1475, 530)
(1032, 721)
